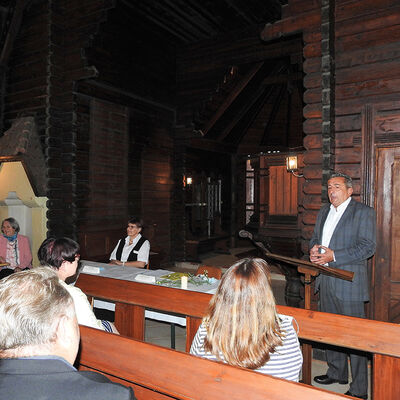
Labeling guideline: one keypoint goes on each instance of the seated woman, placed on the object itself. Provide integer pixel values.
(62, 255)
(133, 251)
(14, 248)
(241, 326)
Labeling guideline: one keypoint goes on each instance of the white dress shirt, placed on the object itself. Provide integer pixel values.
(142, 253)
(335, 213)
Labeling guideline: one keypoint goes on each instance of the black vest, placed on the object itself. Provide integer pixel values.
(132, 255)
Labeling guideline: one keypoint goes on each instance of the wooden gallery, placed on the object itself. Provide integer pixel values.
(219, 123)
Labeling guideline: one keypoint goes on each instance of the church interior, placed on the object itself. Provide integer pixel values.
(206, 119)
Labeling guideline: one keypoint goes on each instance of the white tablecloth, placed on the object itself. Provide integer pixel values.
(129, 274)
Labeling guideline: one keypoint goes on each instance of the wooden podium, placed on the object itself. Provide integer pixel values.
(310, 271)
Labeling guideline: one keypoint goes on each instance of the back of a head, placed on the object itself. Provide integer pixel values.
(245, 288)
(53, 251)
(241, 318)
(31, 304)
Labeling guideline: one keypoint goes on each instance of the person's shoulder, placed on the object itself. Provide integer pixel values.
(285, 320)
(100, 387)
(360, 206)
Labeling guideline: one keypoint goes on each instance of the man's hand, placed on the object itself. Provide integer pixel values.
(321, 258)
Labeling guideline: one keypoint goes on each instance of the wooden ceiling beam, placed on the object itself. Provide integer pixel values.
(240, 11)
(273, 114)
(174, 30)
(232, 96)
(12, 32)
(187, 21)
(212, 145)
(278, 79)
(239, 115)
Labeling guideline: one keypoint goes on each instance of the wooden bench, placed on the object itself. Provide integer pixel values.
(375, 337)
(158, 373)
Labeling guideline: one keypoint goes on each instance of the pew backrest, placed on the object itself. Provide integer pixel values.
(159, 373)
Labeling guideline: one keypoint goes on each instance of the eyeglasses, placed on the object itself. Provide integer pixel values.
(76, 257)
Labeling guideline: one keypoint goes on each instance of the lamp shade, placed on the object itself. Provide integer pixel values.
(291, 163)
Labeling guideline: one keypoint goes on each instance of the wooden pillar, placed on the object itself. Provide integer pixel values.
(328, 90)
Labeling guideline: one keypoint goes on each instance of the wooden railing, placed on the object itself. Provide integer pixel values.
(158, 373)
(381, 339)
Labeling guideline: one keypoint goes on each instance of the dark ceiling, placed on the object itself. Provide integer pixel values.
(189, 21)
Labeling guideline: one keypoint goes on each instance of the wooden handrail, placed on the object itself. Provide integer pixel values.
(157, 373)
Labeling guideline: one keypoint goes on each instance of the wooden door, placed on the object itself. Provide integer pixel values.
(386, 277)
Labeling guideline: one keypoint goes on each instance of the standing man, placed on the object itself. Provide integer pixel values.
(344, 237)
(39, 340)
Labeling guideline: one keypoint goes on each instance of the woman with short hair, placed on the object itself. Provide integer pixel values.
(242, 327)
(132, 251)
(15, 249)
(62, 255)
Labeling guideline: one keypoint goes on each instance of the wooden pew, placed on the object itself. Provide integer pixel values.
(375, 337)
(158, 373)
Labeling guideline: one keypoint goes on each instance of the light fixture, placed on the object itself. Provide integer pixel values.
(187, 180)
(291, 166)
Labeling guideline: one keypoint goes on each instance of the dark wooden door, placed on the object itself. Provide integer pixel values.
(386, 277)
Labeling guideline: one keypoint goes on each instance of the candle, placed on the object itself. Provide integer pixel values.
(184, 282)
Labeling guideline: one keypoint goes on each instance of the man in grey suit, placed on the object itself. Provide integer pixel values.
(344, 237)
(39, 340)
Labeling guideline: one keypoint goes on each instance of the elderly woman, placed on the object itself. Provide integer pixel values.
(62, 255)
(132, 251)
(241, 326)
(14, 248)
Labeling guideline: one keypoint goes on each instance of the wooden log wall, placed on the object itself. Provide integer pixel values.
(367, 64)
(46, 59)
(105, 119)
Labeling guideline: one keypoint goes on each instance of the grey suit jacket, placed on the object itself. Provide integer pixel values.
(55, 379)
(353, 241)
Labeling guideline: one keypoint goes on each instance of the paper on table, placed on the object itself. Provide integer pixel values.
(145, 278)
(87, 269)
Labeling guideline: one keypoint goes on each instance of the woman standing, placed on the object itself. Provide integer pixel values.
(14, 248)
(242, 328)
(132, 251)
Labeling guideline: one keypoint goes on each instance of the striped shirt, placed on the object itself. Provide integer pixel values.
(284, 363)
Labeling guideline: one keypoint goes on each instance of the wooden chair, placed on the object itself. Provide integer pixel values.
(212, 272)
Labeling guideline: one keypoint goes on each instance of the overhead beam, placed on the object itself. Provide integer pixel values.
(12, 32)
(232, 96)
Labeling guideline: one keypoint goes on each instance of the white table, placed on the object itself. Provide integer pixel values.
(129, 274)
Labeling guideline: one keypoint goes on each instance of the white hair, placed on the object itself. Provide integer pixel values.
(31, 305)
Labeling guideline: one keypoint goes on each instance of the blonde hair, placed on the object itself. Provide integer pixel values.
(241, 321)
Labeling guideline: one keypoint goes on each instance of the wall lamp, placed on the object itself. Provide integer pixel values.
(291, 166)
(187, 180)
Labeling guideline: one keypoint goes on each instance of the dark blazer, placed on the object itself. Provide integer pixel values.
(353, 241)
(55, 379)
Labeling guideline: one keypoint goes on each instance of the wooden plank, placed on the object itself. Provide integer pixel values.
(371, 336)
(291, 25)
(184, 376)
(130, 320)
(385, 377)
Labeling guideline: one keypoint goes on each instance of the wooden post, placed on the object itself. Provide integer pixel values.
(307, 348)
